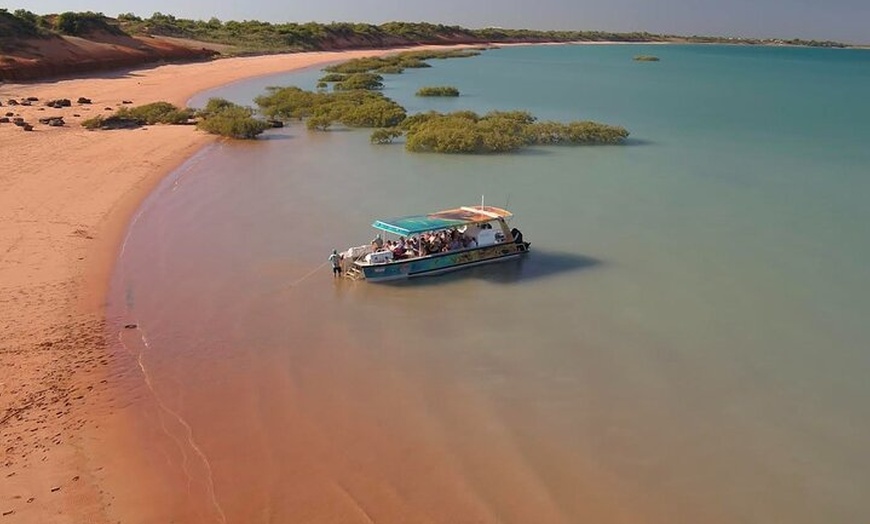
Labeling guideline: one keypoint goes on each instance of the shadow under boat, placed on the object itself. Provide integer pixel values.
(536, 265)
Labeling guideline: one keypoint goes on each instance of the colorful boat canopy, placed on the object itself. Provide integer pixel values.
(413, 224)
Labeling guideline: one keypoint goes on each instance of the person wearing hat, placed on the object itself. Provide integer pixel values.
(335, 258)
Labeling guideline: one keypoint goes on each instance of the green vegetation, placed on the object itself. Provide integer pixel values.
(646, 58)
(332, 77)
(467, 132)
(221, 117)
(438, 91)
(497, 132)
(577, 132)
(148, 114)
(367, 81)
(111, 122)
(93, 123)
(386, 135)
(395, 64)
(353, 103)
(23, 24)
(26, 24)
(356, 102)
(156, 113)
(352, 108)
(387, 65)
(78, 24)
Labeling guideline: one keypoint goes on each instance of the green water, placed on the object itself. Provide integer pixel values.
(690, 330)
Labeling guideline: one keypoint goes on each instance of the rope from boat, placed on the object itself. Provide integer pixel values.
(313, 271)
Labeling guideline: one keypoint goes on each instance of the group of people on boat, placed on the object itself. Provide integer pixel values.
(428, 243)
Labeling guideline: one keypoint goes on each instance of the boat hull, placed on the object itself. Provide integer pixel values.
(442, 262)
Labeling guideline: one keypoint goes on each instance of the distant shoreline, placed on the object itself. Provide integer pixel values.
(106, 63)
(70, 44)
(116, 58)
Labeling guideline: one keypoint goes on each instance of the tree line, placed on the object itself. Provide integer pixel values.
(254, 35)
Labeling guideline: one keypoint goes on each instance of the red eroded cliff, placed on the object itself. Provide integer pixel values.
(32, 58)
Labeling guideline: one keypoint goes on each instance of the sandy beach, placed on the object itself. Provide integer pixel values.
(66, 197)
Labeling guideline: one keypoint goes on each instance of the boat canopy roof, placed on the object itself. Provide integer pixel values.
(446, 219)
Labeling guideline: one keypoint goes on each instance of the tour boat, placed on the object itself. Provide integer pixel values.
(435, 243)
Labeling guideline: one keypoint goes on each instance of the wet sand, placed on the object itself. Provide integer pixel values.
(66, 197)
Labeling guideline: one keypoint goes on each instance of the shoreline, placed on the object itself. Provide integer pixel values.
(67, 198)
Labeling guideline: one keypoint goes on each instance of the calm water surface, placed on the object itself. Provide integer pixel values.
(688, 341)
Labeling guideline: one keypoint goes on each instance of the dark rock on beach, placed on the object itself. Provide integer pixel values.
(54, 121)
(59, 103)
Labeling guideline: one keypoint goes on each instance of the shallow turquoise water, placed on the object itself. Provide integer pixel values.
(690, 329)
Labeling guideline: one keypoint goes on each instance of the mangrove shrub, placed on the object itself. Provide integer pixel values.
(438, 91)
(156, 113)
(499, 132)
(221, 117)
(355, 108)
(367, 81)
(386, 135)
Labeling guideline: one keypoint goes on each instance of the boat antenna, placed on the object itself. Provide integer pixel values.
(481, 202)
(507, 204)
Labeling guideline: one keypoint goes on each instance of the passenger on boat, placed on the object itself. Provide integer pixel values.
(399, 248)
(435, 245)
(517, 235)
(377, 242)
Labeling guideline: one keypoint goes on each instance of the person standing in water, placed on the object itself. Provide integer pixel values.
(335, 258)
